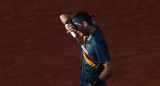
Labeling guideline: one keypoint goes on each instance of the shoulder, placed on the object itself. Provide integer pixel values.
(99, 37)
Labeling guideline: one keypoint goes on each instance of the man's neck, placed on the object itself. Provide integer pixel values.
(91, 30)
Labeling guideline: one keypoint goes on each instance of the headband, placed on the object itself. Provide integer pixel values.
(80, 20)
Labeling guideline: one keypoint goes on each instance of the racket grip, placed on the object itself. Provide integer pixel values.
(73, 34)
(84, 49)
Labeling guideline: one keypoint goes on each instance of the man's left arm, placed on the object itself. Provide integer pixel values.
(107, 71)
(104, 75)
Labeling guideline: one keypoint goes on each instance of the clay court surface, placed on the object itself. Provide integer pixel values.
(36, 51)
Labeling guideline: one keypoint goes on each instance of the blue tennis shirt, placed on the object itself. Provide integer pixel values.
(96, 45)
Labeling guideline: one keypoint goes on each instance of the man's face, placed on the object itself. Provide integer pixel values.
(81, 29)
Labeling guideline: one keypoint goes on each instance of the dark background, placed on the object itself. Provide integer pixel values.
(36, 51)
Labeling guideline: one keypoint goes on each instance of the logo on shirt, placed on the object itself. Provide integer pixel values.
(89, 45)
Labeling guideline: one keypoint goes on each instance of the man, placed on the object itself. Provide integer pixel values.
(91, 74)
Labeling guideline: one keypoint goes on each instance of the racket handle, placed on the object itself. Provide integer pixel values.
(73, 34)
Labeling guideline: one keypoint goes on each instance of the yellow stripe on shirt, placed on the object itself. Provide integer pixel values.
(91, 63)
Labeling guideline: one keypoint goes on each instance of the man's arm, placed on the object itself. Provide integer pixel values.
(105, 74)
(107, 71)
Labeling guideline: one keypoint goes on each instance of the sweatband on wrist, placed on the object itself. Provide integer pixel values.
(68, 21)
(98, 81)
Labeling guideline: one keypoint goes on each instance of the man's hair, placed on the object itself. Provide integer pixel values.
(83, 14)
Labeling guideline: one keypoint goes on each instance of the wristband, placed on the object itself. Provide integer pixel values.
(95, 83)
(68, 21)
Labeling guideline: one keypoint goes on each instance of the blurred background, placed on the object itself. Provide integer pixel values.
(35, 49)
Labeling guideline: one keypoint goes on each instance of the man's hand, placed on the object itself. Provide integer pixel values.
(89, 84)
(95, 83)
(70, 28)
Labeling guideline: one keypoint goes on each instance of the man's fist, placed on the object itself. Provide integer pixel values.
(70, 28)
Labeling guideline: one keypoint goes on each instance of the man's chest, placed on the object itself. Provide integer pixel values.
(90, 47)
